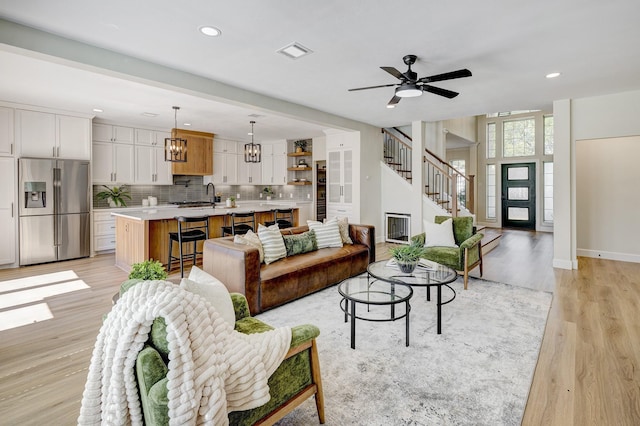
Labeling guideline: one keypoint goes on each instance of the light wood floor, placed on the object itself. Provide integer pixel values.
(587, 372)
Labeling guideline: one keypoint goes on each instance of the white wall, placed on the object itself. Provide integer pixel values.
(600, 117)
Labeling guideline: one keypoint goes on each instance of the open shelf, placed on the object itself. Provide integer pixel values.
(300, 154)
(299, 183)
(298, 169)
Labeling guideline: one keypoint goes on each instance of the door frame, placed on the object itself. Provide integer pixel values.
(531, 203)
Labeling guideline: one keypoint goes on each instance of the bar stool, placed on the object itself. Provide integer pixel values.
(283, 217)
(190, 230)
(241, 223)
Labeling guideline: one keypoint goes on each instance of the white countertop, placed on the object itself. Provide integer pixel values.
(169, 211)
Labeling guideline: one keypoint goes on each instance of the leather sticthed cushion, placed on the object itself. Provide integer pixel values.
(300, 243)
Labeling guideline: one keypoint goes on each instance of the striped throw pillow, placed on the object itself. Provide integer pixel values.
(272, 243)
(327, 234)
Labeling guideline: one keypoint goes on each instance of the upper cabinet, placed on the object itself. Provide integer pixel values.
(199, 153)
(6, 131)
(151, 137)
(274, 163)
(109, 133)
(41, 134)
(225, 163)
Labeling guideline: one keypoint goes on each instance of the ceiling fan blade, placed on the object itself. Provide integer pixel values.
(394, 72)
(438, 91)
(446, 76)
(394, 101)
(373, 87)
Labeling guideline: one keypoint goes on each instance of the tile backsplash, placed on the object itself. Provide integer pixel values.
(195, 190)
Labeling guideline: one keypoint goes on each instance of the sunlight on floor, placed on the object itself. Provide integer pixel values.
(17, 297)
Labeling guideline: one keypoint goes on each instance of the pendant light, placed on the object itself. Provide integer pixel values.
(252, 151)
(175, 149)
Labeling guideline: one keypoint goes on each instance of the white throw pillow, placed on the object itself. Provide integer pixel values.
(213, 290)
(272, 243)
(439, 235)
(327, 234)
(250, 239)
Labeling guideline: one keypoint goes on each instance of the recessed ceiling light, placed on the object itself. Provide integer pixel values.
(553, 75)
(149, 114)
(391, 106)
(186, 124)
(98, 110)
(294, 50)
(210, 31)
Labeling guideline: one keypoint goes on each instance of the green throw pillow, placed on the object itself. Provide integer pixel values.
(300, 243)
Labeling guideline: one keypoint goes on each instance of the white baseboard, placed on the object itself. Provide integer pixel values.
(610, 255)
(565, 264)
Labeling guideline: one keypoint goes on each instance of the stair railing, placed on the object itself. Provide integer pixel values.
(447, 186)
(397, 155)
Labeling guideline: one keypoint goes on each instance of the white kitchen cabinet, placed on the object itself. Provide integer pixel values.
(151, 137)
(109, 133)
(340, 184)
(104, 231)
(8, 211)
(249, 173)
(41, 134)
(225, 163)
(150, 167)
(112, 162)
(274, 163)
(6, 131)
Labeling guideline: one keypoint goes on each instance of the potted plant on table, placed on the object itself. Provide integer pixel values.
(148, 270)
(407, 257)
(115, 196)
(268, 191)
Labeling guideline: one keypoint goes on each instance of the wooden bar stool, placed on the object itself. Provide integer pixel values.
(240, 224)
(283, 217)
(190, 230)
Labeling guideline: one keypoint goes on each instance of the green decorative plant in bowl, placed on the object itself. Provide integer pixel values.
(148, 270)
(300, 145)
(407, 257)
(115, 196)
(268, 191)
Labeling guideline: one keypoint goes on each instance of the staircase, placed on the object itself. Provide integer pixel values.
(444, 185)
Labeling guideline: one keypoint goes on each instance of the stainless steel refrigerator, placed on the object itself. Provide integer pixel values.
(54, 210)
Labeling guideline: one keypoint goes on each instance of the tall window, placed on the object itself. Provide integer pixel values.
(519, 138)
(491, 191)
(491, 140)
(548, 192)
(548, 135)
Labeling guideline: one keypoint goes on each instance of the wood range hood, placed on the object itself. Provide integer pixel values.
(199, 153)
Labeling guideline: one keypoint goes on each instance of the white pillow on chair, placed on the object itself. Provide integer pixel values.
(213, 290)
(439, 235)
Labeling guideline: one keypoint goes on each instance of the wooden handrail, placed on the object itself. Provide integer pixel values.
(402, 133)
(397, 138)
(445, 163)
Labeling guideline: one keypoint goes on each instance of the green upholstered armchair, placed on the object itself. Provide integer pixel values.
(295, 380)
(463, 258)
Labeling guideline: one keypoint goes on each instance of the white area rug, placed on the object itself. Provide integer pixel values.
(477, 372)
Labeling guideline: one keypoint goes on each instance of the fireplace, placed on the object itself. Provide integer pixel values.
(398, 227)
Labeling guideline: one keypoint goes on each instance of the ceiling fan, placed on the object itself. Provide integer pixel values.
(410, 85)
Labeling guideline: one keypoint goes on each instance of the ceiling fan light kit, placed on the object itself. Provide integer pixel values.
(411, 86)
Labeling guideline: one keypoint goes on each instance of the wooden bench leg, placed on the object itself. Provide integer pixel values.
(317, 379)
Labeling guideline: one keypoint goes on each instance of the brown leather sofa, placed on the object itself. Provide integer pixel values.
(267, 286)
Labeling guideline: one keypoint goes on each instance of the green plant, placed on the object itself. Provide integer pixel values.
(117, 194)
(148, 270)
(301, 144)
(233, 199)
(268, 191)
(407, 254)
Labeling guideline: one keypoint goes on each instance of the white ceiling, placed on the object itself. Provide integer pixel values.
(508, 45)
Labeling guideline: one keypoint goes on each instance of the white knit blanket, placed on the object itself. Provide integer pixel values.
(213, 369)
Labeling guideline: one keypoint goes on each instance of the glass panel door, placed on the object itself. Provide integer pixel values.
(347, 191)
(519, 195)
(333, 177)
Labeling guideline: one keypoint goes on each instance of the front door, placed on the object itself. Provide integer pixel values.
(519, 195)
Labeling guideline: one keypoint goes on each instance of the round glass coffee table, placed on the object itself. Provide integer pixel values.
(374, 293)
(428, 274)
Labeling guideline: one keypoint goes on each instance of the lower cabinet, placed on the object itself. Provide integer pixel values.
(104, 231)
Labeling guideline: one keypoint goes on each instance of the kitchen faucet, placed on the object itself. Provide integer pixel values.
(213, 193)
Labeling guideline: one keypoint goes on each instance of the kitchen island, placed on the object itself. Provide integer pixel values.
(143, 233)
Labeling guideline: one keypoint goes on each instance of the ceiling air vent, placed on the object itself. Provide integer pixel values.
(294, 50)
